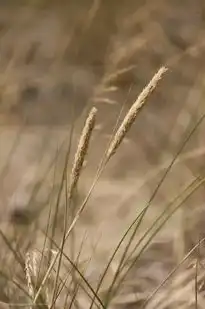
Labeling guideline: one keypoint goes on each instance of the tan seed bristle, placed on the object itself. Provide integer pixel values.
(132, 113)
(82, 149)
(29, 275)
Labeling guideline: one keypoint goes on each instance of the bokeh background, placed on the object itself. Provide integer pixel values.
(58, 59)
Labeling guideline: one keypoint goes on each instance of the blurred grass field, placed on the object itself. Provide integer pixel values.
(58, 59)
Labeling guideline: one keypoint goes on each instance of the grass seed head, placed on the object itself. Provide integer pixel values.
(132, 113)
(82, 149)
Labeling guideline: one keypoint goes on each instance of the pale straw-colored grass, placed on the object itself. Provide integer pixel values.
(134, 110)
(82, 149)
(74, 177)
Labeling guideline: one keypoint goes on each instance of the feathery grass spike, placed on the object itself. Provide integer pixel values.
(29, 271)
(82, 149)
(132, 113)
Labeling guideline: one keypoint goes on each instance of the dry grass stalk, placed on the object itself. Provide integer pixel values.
(132, 113)
(82, 149)
(91, 14)
(109, 78)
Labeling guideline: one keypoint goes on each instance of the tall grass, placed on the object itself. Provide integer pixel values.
(52, 278)
(60, 280)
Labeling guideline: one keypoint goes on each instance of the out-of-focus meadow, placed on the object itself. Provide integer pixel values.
(57, 60)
